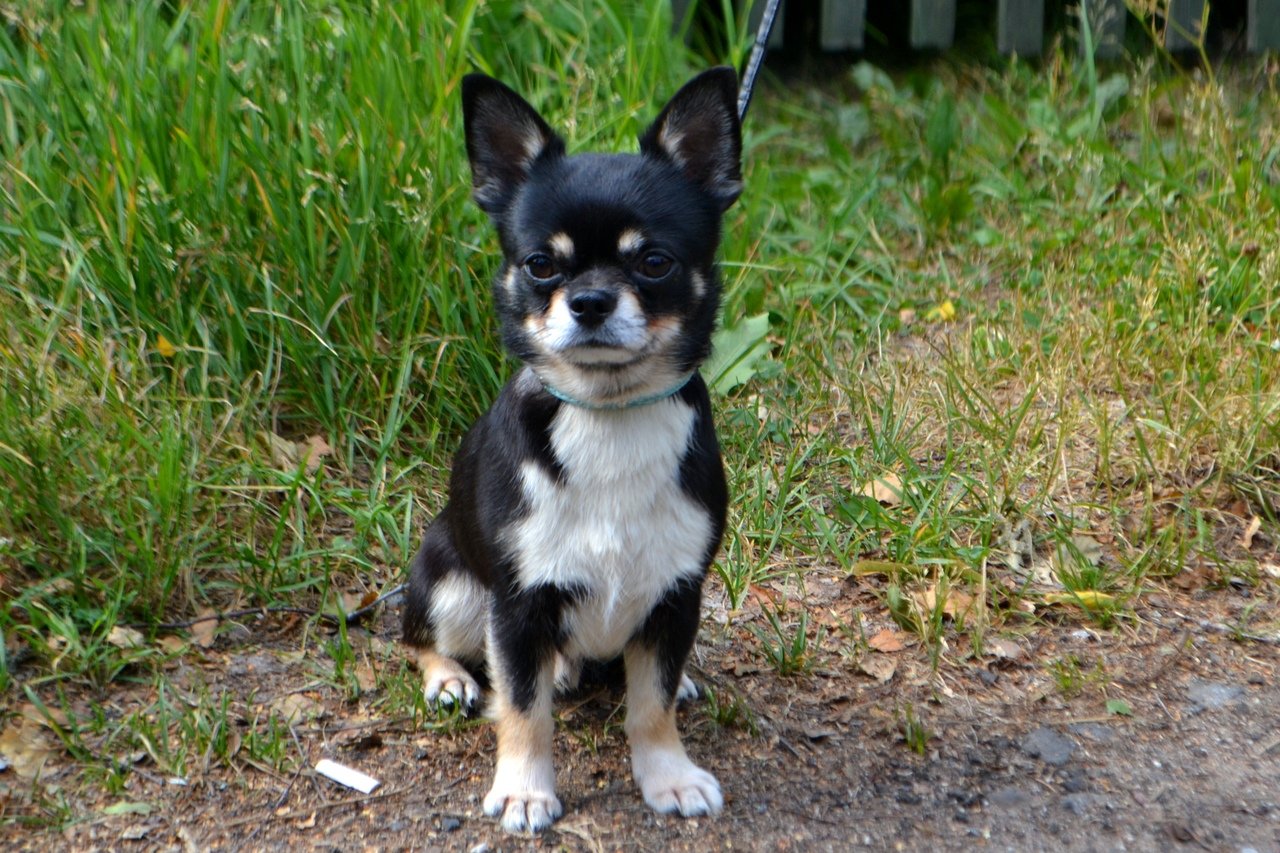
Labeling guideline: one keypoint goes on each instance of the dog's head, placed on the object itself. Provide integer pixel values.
(608, 288)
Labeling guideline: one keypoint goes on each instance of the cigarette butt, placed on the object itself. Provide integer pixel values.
(345, 775)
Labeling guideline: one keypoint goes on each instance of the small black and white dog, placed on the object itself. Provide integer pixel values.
(586, 505)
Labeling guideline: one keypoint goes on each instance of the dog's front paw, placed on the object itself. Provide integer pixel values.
(675, 785)
(523, 811)
(687, 691)
(447, 683)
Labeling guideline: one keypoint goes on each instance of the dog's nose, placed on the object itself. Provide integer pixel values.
(591, 307)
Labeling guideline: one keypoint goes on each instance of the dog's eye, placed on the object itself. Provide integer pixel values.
(541, 267)
(654, 265)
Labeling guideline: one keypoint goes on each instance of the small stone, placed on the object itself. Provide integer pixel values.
(988, 677)
(1049, 746)
(1257, 679)
(1008, 797)
(450, 824)
(1079, 804)
(1076, 783)
(1210, 695)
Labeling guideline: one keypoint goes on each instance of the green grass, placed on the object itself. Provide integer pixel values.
(1041, 295)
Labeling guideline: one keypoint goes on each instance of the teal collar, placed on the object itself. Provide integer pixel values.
(647, 400)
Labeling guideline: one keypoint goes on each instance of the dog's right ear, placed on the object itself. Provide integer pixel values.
(505, 137)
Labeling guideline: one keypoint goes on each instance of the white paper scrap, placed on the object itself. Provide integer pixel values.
(345, 775)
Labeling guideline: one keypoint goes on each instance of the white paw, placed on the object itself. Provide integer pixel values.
(675, 785)
(451, 686)
(523, 811)
(687, 691)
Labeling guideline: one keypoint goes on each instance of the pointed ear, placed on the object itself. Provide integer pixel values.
(698, 130)
(505, 137)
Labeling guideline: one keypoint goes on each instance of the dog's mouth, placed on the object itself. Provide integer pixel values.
(597, 354)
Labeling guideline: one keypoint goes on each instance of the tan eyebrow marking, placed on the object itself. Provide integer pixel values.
(561, 244)
(629, 241)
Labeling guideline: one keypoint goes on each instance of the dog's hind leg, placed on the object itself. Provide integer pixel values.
(444, 620)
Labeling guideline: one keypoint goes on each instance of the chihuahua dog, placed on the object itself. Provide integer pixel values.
(587, 504)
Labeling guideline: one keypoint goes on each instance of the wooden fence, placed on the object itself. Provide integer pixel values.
(1020, 24)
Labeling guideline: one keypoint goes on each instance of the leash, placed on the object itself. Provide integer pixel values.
(757, 57)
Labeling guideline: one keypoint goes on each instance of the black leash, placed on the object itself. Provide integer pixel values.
(757, 57)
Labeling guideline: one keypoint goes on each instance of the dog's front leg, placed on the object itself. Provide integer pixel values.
(669, 781)
(524, 783)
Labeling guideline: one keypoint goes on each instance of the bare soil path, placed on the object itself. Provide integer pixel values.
(1020, 752)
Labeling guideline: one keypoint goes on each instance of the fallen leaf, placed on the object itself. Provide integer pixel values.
(165, 347)
(126, 807)
(1089, 599)
(283, 452)
(878, 667)
(123, 637)
(956, 604)
(888, 568)
(1119, 706)
(366, 677)
(309, 823)
(294, 707)
(135, 832)
(943, 312)
(887, 640)
(887, 489)
(311, 451)
(204, 629)
(1250, 530)
(1004, 649)
(172, 644)
(45, 715)
(26, 748)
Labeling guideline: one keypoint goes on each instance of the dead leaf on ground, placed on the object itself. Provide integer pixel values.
(878, 667)
(887, 489)
(1250, 530)
(172, 644)
(312, 451)
(366, 677)
(45, 715)
(889, 568)
(1089, 599)
(1003, 649)
(887, 640)
(956, 604)
(123, 637)
(204, 630)
(297, 707)
(24, 745)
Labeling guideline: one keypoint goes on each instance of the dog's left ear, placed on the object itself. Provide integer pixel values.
(698, 130)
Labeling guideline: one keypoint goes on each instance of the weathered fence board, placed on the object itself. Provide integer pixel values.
(1264, 25)
(933, 23)
(1020, 27)
(1106, 25)
(1182, 30)
(843, 22)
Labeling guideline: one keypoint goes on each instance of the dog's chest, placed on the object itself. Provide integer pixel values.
(615, 528)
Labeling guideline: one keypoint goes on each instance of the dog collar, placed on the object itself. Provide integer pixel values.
(647, 400)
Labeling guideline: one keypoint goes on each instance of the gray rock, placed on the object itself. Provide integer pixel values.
(1049, 746)
(1211, 695)
(1009, 796)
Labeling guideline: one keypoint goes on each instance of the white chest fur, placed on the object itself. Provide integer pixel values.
(617, 525)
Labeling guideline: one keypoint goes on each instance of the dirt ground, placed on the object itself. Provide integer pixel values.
(1020, 751)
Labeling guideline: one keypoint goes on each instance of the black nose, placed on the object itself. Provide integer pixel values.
(591, 307)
